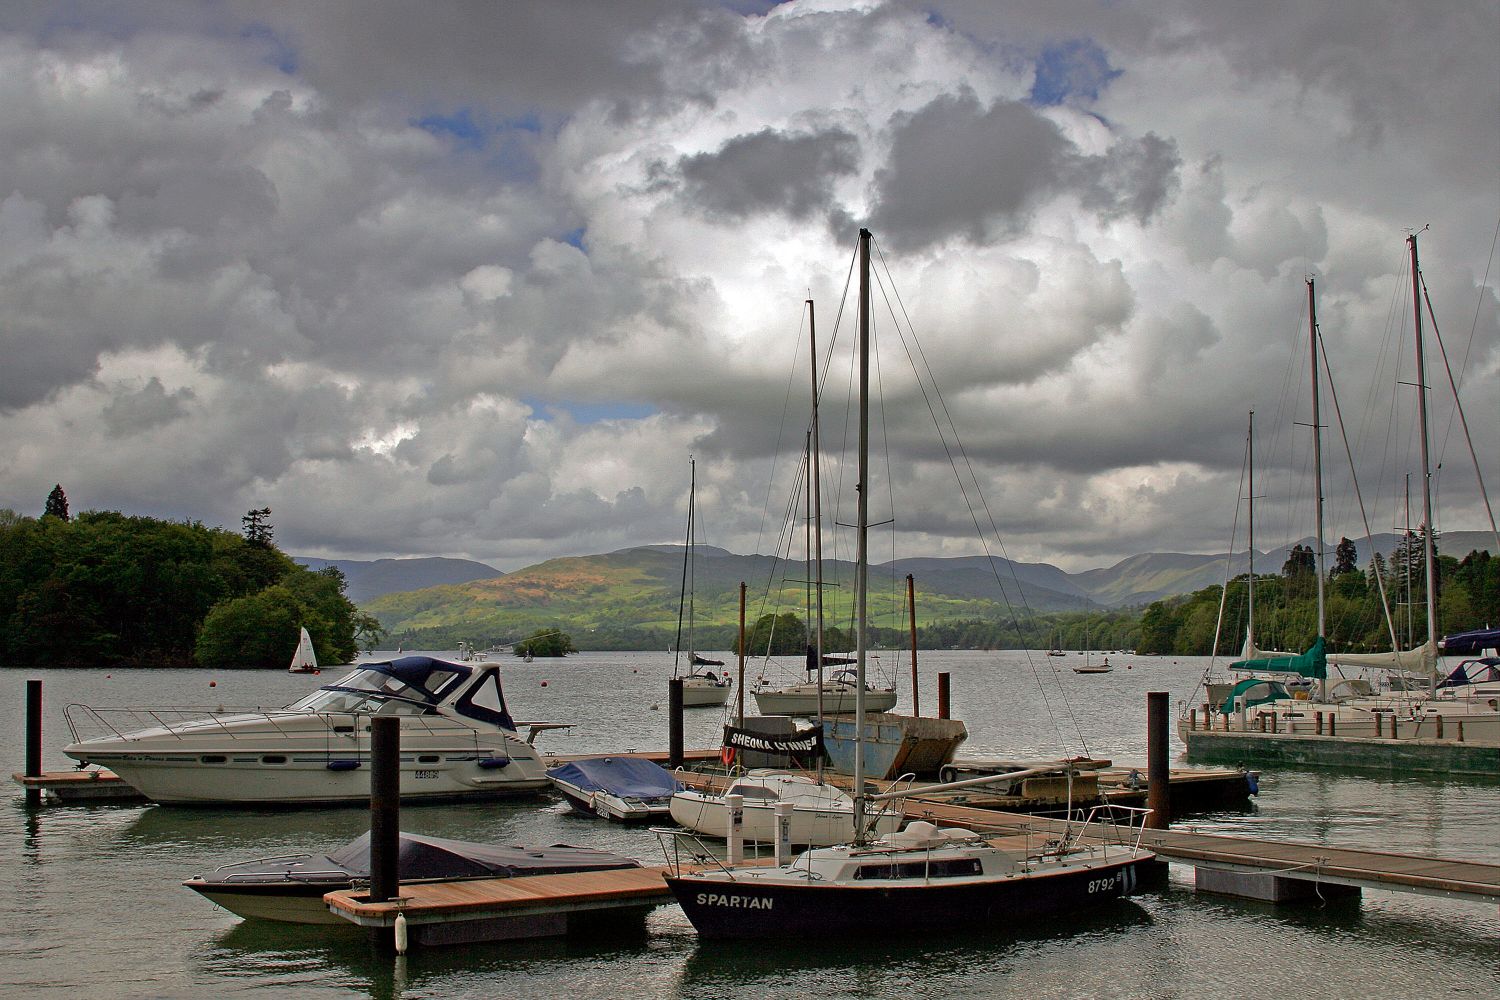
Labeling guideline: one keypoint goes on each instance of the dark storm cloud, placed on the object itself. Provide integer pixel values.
(771, 171)
(958, 167)
(133, 410)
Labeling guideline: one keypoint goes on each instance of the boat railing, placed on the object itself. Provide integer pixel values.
(133, 723)
(1109, 825)
(698, 853)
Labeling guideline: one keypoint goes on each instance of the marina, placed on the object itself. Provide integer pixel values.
(146, 851)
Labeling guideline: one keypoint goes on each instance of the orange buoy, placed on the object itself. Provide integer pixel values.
(544, 683)
(213, 684)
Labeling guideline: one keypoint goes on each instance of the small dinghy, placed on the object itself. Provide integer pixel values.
(290, 888)
(624, 789)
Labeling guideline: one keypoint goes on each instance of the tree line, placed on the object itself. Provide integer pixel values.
(108, 589)
(1285, 604)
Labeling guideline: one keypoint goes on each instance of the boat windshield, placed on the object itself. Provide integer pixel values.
(369, 689)
(356, 702)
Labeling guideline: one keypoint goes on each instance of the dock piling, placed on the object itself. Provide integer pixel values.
(385, 808)
(33, 739)
(674, 713)
(943, 695)
(1158, 774)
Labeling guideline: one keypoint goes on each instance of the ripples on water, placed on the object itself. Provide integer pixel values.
(96, 907)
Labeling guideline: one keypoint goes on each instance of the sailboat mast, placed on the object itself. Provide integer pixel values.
(687, 548)
(1427, 547)
(817, 503)
(1317, 429)
(861, 534)
(1250, 509)
(692, 572)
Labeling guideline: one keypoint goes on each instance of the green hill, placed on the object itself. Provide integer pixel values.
(629, 598)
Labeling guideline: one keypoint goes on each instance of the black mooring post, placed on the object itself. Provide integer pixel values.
(385, 808)
(674, 711)
(33, 739)
(943, 706)
(1158, 775)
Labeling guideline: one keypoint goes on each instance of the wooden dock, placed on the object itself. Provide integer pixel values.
(1193, 790)
(73, 787)
(97, 785)
(501, 909)
(1313, 864)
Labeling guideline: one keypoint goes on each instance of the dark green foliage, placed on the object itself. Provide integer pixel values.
(546, 642)
(778, 635)
(107, 589)
(258, 528)
(1345, 558)
(1286, 608)
(57, 504)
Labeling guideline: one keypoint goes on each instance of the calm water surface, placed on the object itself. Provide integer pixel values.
(95, 908)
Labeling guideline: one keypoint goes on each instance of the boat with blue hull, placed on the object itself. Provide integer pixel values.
(894, 745)
(924, 877)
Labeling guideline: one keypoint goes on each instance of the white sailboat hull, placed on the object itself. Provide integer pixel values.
(802, 699)
(817, 826)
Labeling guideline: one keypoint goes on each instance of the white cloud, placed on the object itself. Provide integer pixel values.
(478, 285)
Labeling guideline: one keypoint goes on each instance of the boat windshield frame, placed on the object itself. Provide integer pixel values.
(379, 683)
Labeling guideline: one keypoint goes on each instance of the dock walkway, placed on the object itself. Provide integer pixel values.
(1319, 863)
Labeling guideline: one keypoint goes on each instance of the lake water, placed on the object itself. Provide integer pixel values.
(95, 908)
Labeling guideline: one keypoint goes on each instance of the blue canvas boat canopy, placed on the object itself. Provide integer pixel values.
(1469, 643)
(1313, 663)
(627, 777)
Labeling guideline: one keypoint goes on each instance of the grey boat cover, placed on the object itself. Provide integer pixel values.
(423, 858)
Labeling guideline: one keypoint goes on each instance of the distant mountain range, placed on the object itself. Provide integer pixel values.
(369, 579)
(638, 588)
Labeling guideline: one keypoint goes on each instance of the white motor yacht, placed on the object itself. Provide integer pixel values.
(457, 740)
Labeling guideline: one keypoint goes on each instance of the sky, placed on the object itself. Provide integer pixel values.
(477, 279)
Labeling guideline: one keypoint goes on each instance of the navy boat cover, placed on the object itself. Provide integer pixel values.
(627, 777)
(1476, 641)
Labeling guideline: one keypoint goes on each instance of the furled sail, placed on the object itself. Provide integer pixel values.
(1313, 663)
(1422, 660)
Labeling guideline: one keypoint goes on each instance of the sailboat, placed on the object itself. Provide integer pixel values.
(702, 687)
(1411, 714)
(1088, 666)
(922, 878)
(819, 695)
(304, 660)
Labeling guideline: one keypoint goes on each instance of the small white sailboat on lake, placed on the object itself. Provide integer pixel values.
(701, 686)
(304, 660)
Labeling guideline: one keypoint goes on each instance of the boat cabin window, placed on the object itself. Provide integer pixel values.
(948, 868)
(485, 701)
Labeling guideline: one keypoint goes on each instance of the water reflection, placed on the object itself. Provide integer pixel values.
(902, 962)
